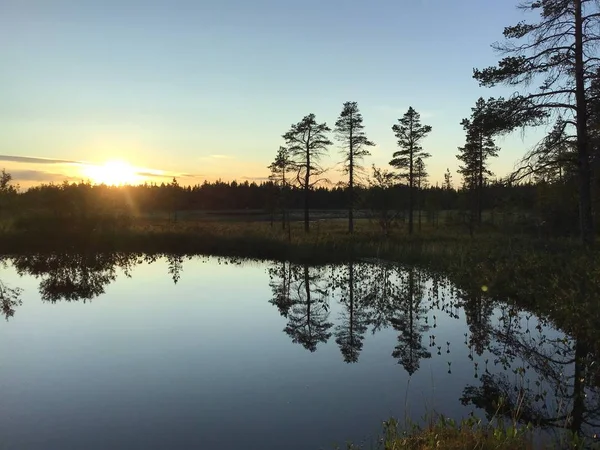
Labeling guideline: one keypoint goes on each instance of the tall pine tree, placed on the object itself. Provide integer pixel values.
(280, 168)
(557, 59)
(349, 129)
(410, 133)
(307, 144)
(478, 148)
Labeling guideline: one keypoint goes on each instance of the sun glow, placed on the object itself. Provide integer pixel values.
(115, 173)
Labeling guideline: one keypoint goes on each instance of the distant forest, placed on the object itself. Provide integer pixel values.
(533, 205)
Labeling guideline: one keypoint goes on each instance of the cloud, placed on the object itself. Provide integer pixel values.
(160, 174)
(39, 176)
(33, 160)
(43, 176)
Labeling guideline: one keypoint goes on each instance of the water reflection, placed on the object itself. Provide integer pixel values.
(354, 318)
(552, 382)
(10, 298)
(519, 365)
(73, 277)
(524, 368)
(308, 317)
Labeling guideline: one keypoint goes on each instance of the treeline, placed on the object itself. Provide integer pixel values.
(536, 204)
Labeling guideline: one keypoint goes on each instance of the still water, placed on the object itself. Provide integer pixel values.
(132, 351)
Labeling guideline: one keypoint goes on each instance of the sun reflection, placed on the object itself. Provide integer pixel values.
(115, 172)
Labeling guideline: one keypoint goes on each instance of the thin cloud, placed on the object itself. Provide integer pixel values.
(43, 176)
(34, 160)
(39, 176)
(160, 174)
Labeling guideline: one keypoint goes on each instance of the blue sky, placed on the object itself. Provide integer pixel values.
(207, 88)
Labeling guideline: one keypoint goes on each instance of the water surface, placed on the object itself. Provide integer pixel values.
(132, 351)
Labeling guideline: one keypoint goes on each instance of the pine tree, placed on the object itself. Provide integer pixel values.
(280, 169)
(478, 148)
(307, 143)
(558, 55)
(447, 180)
(349, 129)
(410, 132)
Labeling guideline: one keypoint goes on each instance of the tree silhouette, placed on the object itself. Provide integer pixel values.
(381, 198)
(447, 180)
(8, 191)
(307, 143)
(308, 317)
(558, 54)
(350, 132)
(280, 169)
(410, 132)
(478, 148)
(354, 319)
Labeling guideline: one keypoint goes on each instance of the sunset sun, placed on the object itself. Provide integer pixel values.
(114, 172)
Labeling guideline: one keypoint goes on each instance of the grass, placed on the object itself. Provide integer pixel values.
(446, 434)
(469, 434)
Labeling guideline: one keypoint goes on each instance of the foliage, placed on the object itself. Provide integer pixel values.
(410, 132)
(557, 54)
(350, 132)
(448, 180)
(307, 143)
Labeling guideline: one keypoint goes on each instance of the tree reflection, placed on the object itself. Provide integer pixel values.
(554, 383)
(354, 319)
(281, 276)
(71, 277)
(10, 298)
(308, 316)
(478, 310)
(175, 264)
(407, 320)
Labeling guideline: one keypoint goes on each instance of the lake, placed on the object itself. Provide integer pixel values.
(135, 351)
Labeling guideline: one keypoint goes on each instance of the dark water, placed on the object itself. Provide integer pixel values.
(130, 351)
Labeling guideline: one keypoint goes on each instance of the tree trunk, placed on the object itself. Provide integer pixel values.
(351, 187)
(283, 202)
(583, 163)
(578, 388)
(419, 204)
(410, 193)
(480, 181)
(307, 187)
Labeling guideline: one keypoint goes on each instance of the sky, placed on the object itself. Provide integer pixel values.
(205, 89)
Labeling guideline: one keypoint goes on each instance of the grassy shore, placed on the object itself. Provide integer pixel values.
(551, 277)
(469, 434)
(446, 434)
